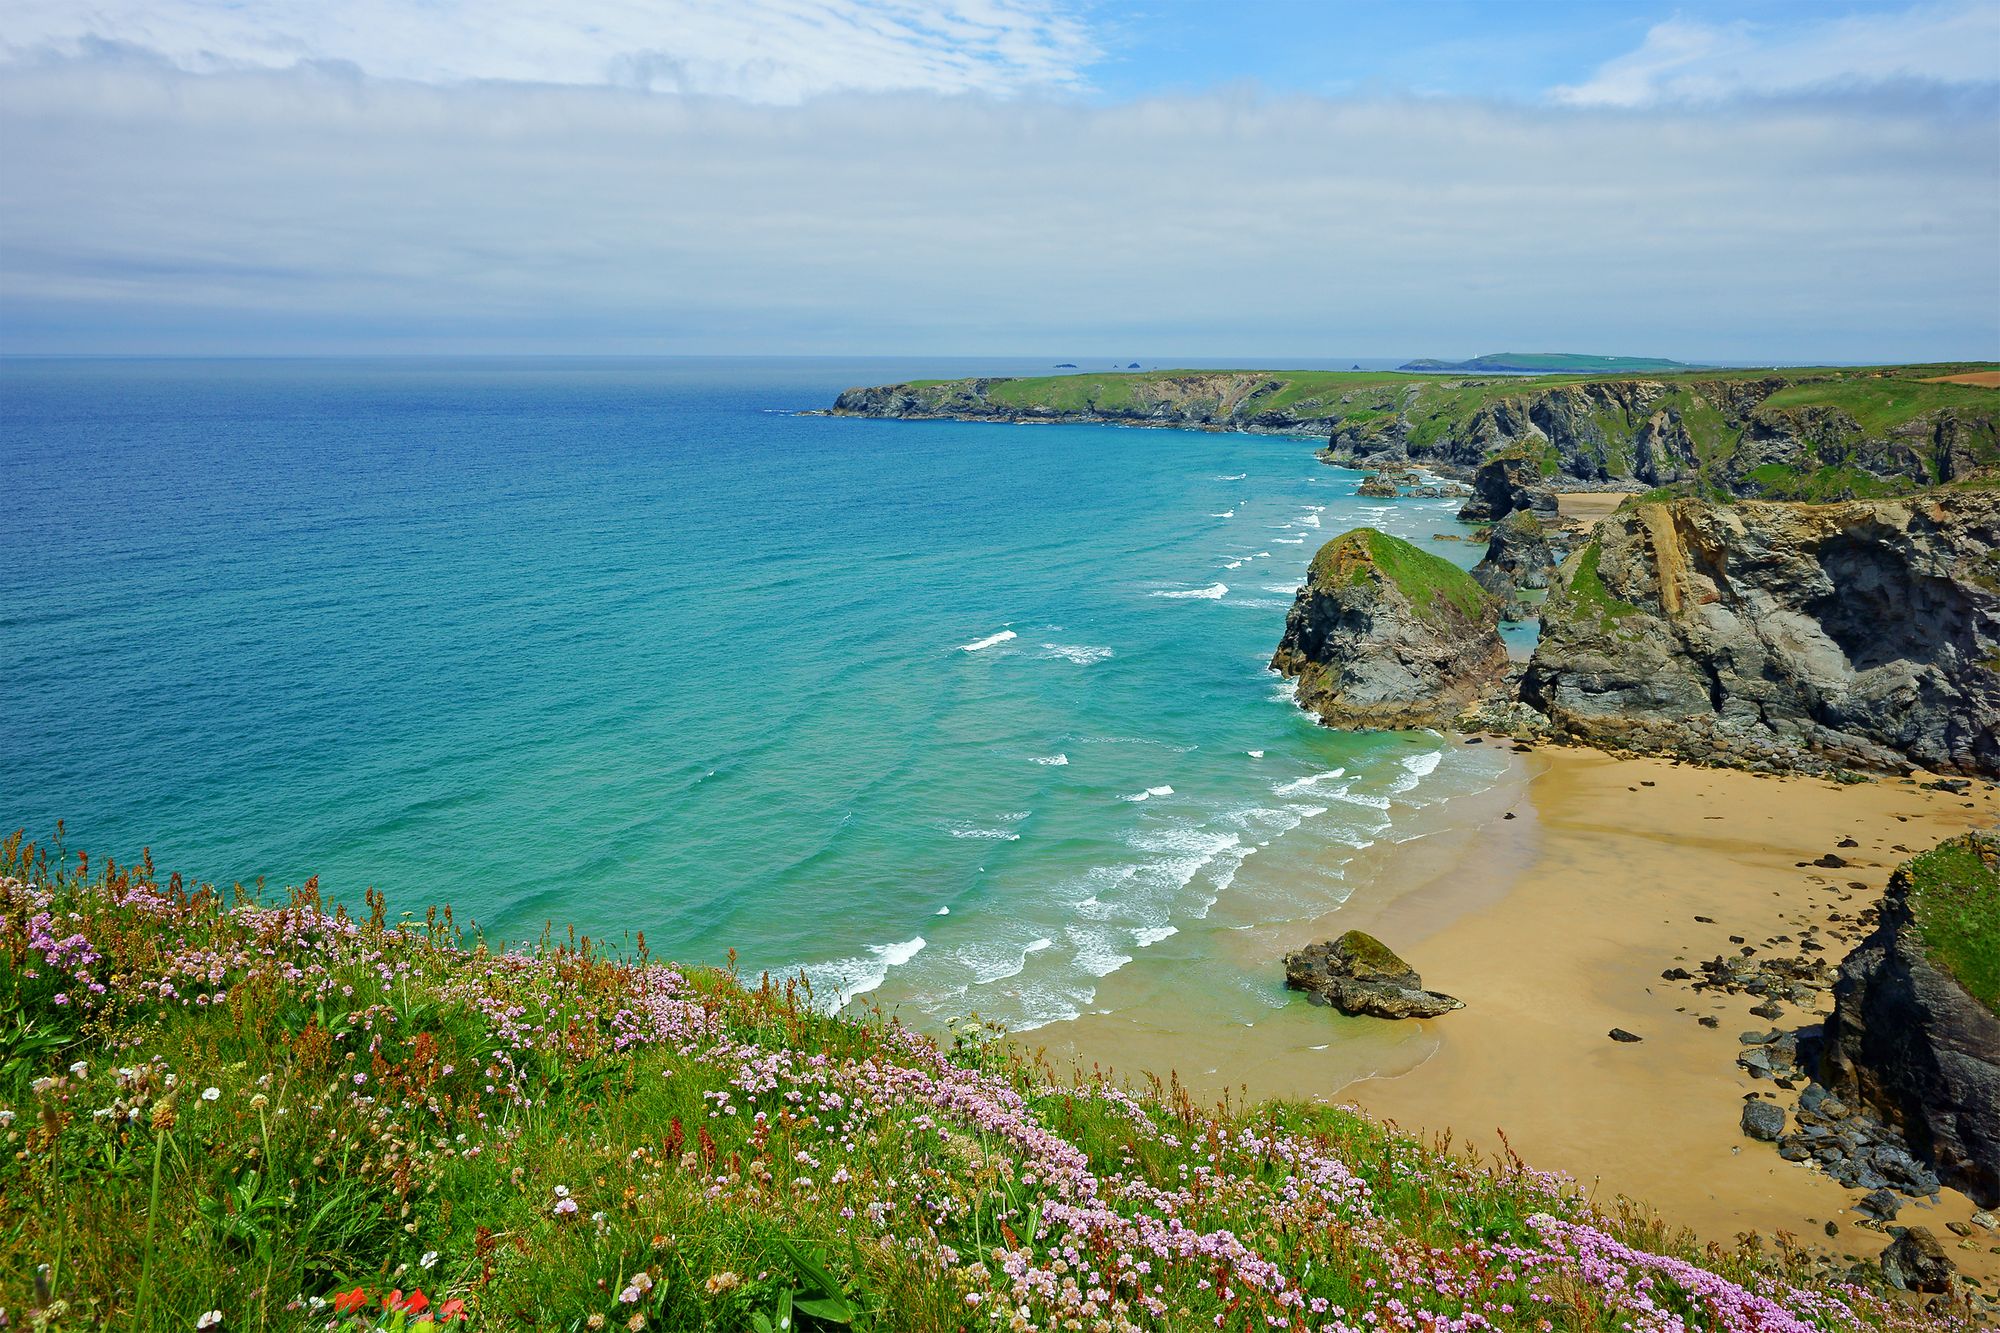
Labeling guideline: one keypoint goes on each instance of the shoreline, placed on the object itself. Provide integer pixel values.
(1554, 927)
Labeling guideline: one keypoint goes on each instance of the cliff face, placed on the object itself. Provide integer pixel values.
(1907, 1040)
(1808, 435)
(1386, 635)
(1233, 400)
(1863, 633)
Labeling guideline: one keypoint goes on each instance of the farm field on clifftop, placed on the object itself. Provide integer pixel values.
(293, 1119)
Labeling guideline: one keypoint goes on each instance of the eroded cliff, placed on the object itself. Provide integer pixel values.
(1865, 633)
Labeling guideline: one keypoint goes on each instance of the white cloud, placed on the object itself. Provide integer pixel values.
(777, 51)
(1687, 61)
(144, 207)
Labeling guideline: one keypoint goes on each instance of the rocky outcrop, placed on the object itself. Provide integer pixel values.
(1523, 551)
(1505, 484)
(1908, 1040)
(1386, 635)
(1861, 634)
(1358, 974)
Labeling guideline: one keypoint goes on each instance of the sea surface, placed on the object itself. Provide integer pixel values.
(963, 716)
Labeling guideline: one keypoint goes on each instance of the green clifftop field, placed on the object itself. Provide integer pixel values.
(1804, 433)
(220, 1113)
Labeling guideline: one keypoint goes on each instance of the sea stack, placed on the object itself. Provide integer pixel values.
(1386, 635)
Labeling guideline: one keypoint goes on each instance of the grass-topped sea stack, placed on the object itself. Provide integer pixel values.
(1386, 635)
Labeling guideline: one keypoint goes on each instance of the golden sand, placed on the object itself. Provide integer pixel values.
(1554, 927)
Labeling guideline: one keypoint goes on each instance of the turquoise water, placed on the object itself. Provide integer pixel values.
(975, 714)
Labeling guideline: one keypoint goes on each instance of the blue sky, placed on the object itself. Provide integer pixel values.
(1751, 181)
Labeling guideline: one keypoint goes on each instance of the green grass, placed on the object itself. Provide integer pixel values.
(269, 1104)
(1776, 481)
(1424, 579)
(1880, 404)
(1955, 899)
(1588, 593)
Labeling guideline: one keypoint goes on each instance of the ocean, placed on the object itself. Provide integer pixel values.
(962, 717)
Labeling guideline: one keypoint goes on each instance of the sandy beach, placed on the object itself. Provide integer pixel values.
(1554, 926)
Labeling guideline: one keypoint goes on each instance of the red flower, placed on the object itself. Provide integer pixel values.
(393, 1300)
(345, 1301)
(415, 1303)
(452, 1309)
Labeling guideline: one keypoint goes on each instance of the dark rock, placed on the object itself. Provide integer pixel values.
(1358, 974)
(1768, 1010)
(1915, 1261)
(1831, 861)
(1763, 1121)
(1384, 634)
(1508, 482)
(1709, 1021)
(1620, 1034)
(1880, 1205)
(1908, 1042)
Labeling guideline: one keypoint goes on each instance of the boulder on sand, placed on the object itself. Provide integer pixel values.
(1358, 974)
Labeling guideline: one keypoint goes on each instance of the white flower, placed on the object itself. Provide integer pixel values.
(430, 1257)
(213, 1317)
(80, 1068)
(562, 1191)
(209, 1095)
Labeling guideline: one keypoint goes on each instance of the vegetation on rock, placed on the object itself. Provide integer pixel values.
(1955, 902)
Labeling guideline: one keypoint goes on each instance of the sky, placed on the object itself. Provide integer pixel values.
(1754, 181)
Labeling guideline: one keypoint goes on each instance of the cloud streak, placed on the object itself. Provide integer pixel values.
(1689, 61)
(313, 208)
(775, 51)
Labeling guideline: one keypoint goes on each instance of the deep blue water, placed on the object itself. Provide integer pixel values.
(630, 644)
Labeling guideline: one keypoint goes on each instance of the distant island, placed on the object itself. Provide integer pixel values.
(1551, 363)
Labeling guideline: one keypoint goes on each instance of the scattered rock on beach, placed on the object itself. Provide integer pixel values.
(1763, 1121)
(1620, 1034)
(1915, 1261)
(1358, 974)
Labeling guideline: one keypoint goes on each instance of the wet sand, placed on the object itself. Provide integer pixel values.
(1554, 928)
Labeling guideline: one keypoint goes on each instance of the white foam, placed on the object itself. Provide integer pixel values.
(1289, 541)
(1214, 592)
(987, 642)
(1234, 564)
(1149, 794)
(1255, 754)
(997, 834)
(1307, 783)
(1238, 477)
(944, 911)
(862, 973)
(1148, 936)
(1080, 653)
(1227, 513)
(1262, 555)
(1095, 952)
(1422, 765)
(1052, 760)
(1310, 520)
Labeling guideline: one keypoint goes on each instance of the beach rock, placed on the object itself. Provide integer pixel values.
(1782, 636)
(1910, 1043)
(1915, 1261)
(1358, 974)
(1764, 1121)
(1385, 634)
(1620, 1034)
(1880, 1205)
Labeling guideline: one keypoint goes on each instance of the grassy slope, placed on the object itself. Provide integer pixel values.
(1955, 897)
(212, 1105)
(1423, 578)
